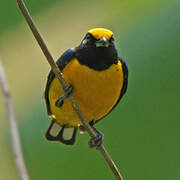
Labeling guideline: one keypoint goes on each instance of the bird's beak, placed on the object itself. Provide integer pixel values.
(103, 42)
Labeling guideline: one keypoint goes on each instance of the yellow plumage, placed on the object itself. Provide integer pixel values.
(95, 92)
(101, 32)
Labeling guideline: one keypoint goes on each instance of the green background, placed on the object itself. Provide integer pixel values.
(142, 134)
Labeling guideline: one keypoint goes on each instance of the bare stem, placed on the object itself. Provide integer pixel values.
(59, 75)
(14, 133)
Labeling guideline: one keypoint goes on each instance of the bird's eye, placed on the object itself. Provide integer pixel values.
(88, 36)
(112, 39)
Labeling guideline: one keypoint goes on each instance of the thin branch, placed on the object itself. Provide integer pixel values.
(59, 75)
(13, 128)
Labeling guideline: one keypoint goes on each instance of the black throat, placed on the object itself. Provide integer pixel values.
(98, 59)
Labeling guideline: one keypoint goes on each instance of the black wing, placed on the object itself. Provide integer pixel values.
(61, 62)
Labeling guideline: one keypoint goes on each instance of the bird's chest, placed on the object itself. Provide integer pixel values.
(94, 91)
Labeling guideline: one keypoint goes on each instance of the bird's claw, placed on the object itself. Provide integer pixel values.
(96, 141)
(67, 92)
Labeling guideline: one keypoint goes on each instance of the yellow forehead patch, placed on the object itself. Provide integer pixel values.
(101, 32)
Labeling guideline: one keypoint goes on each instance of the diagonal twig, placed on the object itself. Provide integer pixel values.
(59, 75)
(13, 128)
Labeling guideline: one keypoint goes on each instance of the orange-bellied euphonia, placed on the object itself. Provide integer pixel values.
(98, 79)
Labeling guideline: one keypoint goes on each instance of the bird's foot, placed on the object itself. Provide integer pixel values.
(96, 141)
(67, 93)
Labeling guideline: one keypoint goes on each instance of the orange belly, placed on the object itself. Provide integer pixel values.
(95, 92)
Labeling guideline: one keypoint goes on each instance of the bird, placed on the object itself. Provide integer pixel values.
(97, 79)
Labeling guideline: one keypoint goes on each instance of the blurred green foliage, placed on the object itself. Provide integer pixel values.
(142, 133)
(10, 15)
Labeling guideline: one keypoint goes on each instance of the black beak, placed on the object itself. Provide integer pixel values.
(103, 42)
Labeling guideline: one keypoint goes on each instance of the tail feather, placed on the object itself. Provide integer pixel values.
(62, 134)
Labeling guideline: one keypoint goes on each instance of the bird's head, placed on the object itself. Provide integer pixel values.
(98, 38)
(97, 49)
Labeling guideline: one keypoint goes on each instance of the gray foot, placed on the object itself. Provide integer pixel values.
(97, 141)
(67, 92)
